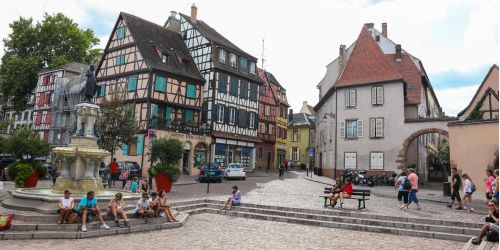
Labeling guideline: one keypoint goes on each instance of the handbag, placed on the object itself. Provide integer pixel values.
(72, 218)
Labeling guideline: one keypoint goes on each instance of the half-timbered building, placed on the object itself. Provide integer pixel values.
(279, 94)
(152, 65)
(266, 157)
(231, 96)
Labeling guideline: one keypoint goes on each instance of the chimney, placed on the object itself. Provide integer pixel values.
(290, 115)
(173, 23)
(369, 25)
(384, 29)
(398, 52)
(194, 13)
(341, 57)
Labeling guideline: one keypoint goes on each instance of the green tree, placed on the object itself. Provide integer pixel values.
(165, 151)
(116, 123)
(32, 48)
(25, 145)
(441, 158)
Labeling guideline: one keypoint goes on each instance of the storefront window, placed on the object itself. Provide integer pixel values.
(200, 152)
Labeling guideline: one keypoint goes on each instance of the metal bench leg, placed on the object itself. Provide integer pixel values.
(325, 201)
(359, 204)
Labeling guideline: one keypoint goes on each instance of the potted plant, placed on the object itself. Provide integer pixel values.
(164, 155)
(25, 146)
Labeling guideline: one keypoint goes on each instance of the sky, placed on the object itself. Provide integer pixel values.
(457, 40)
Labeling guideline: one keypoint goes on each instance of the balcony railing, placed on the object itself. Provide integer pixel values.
(180, 126)
(267, 137)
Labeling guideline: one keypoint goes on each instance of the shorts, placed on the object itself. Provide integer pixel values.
(468, 194)
(115, 176)
(236, 202)
(89, 213)
(494, 227)
(413, 196)
(455, 194)
(403, 196)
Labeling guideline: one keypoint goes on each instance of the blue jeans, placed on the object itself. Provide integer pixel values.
(413, 196)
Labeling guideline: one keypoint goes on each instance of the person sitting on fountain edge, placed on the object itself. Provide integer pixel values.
(88, 207)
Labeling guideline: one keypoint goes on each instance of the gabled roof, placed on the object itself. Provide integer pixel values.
(411, 75)
(367, 64)
(269, 78)
(262, 75)
(76, 67)
(149, 37)
(301, 119)
(474, 98)
(214, 36)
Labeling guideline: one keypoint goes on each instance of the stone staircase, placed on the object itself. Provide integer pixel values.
(485, 245)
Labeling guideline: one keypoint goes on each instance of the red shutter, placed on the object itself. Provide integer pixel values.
(47, 98)
(41, 100)
(38, 120)
(48, 118)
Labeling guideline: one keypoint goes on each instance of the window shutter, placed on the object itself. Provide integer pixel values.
(342, 129)
(132, 83)
(215, 113)
(298, 154)
(188, 116)
(154, 109)
(139, 145)
(236, 117)
(372, 128)
(256, 120)
(168, 112)
(191, 91)
(41, 100)
(226, 115)
(124, 149)
(222, 83)
(380, 95)
(380, 127)
(48, 118)
(352, 98)
(374, 95)
(360, 128)
(103, 90)
(347, 98)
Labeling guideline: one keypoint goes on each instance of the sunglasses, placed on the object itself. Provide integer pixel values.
(491, 205)
(68, 193)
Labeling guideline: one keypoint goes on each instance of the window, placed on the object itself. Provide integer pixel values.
(222, 83)
(351, 129)
(253, 91)
(409, 86)
(120, 60)
(350, 98)
(244, 90)
(296, 135)
(267, 110)
(376, 160)
(271, 128)
(232, 116)
(222, 56)
(189, 116)
(220, 114)
(377, 95)
(262, 90)
(164, 58)
(252, 120)
(121, 32)
(295, 154)
(191, 91)
(243, 63)
(132, 83)
(376, 127)
(350, 160)
(252, 68)
(160, 84)
(232, 60)
(260, 153)
(234, 86)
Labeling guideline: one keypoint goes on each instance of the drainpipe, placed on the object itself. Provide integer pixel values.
(147, 120)
(336, 118)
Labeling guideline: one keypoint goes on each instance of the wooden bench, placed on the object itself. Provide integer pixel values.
(358, 194)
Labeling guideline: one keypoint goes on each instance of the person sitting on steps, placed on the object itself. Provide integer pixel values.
(490, 229)
(66, 207)
(143, 208)
(347, 190)
(233, 200)
(88, 207)
(165, 207)
(117, 207)
(154, 202)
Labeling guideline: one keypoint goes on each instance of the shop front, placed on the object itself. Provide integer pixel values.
(233, 151)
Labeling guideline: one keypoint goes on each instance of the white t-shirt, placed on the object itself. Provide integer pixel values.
(141, 204)
(467, 186)
(66, 203)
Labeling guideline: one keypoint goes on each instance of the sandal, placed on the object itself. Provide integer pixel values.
(476, 241)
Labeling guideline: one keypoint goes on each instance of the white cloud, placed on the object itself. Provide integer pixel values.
(302, 37)
(454, 100)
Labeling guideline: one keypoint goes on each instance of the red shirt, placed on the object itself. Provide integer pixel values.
(348, 189)
(114, 167)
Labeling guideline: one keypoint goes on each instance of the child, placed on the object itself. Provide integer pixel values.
(124, 177)
(154, 202)
(66, 206)
(145, 187)
(143, 208)
(467, 192)
(134, 185)
(165, 207)
(233, 200)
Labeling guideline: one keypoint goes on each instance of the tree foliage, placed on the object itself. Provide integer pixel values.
(441, 158)
(116, 122)
(165, 151)
(25, 145)
(32, 48)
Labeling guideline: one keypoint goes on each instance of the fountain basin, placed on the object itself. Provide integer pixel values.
(45, 200)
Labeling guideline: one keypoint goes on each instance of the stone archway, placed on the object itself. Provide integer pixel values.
(401, 158)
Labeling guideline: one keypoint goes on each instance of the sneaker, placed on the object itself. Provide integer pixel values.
(402, 206)
(449, 206)
(459, 208)
(471, 210)
(104, 226)
(84, 228)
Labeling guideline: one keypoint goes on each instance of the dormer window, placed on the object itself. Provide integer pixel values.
(164, 58)
(252, 68)
(243, 63)
(222, 56)
(232, 60)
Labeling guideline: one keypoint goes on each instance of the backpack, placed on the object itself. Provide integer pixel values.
(472, 188)
(406, 184)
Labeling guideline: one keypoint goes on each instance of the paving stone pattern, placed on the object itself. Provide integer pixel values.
(239, 233)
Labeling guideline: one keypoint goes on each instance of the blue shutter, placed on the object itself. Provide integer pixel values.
(132, 83)
(222, 83)
(244, 90)
(160, 84)
(168, 111)
(103, 90)
(191, 91)
(139, 145)
(188, 116)
(121, 32)
(124, 149)
(234, 86)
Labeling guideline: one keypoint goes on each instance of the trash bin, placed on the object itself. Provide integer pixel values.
(316, 171)
(320, 172)
(446, 189)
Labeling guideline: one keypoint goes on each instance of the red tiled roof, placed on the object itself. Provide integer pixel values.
(411, 75)
(268, 99)
(367, 63)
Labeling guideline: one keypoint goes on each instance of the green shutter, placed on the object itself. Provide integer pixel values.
(139, 145)
(222, 83)
(234, 86)
(168, 112)
(124, 149)
(121, 32)
(154, 109)
(188, 116)
(160, 84)
(191, 91)
(132, 83)
(103, 90)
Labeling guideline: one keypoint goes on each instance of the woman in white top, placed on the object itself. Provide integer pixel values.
(467, 192)
(116, 207)
(66, 206)
(165, 207)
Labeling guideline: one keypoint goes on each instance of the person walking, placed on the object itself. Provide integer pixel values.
(404, 188)
(495, 186)
(468, 190)
(490, 180)
(456, 183)
(281, 171)
(115, 172)
(413, 178)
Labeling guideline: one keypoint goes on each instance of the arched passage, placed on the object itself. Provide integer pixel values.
(401, 158)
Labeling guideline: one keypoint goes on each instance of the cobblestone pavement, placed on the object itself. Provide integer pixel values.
(207, 231)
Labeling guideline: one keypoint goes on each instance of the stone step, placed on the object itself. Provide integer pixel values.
(341, 225)
(373, 222)
(360, 215)
(39, 234)
(48, 218)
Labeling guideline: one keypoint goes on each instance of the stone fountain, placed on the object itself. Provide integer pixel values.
(80, 169)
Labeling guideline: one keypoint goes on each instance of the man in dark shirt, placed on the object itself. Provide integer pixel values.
(456, 183)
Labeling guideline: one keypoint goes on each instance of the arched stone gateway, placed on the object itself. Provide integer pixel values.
(420, 127)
